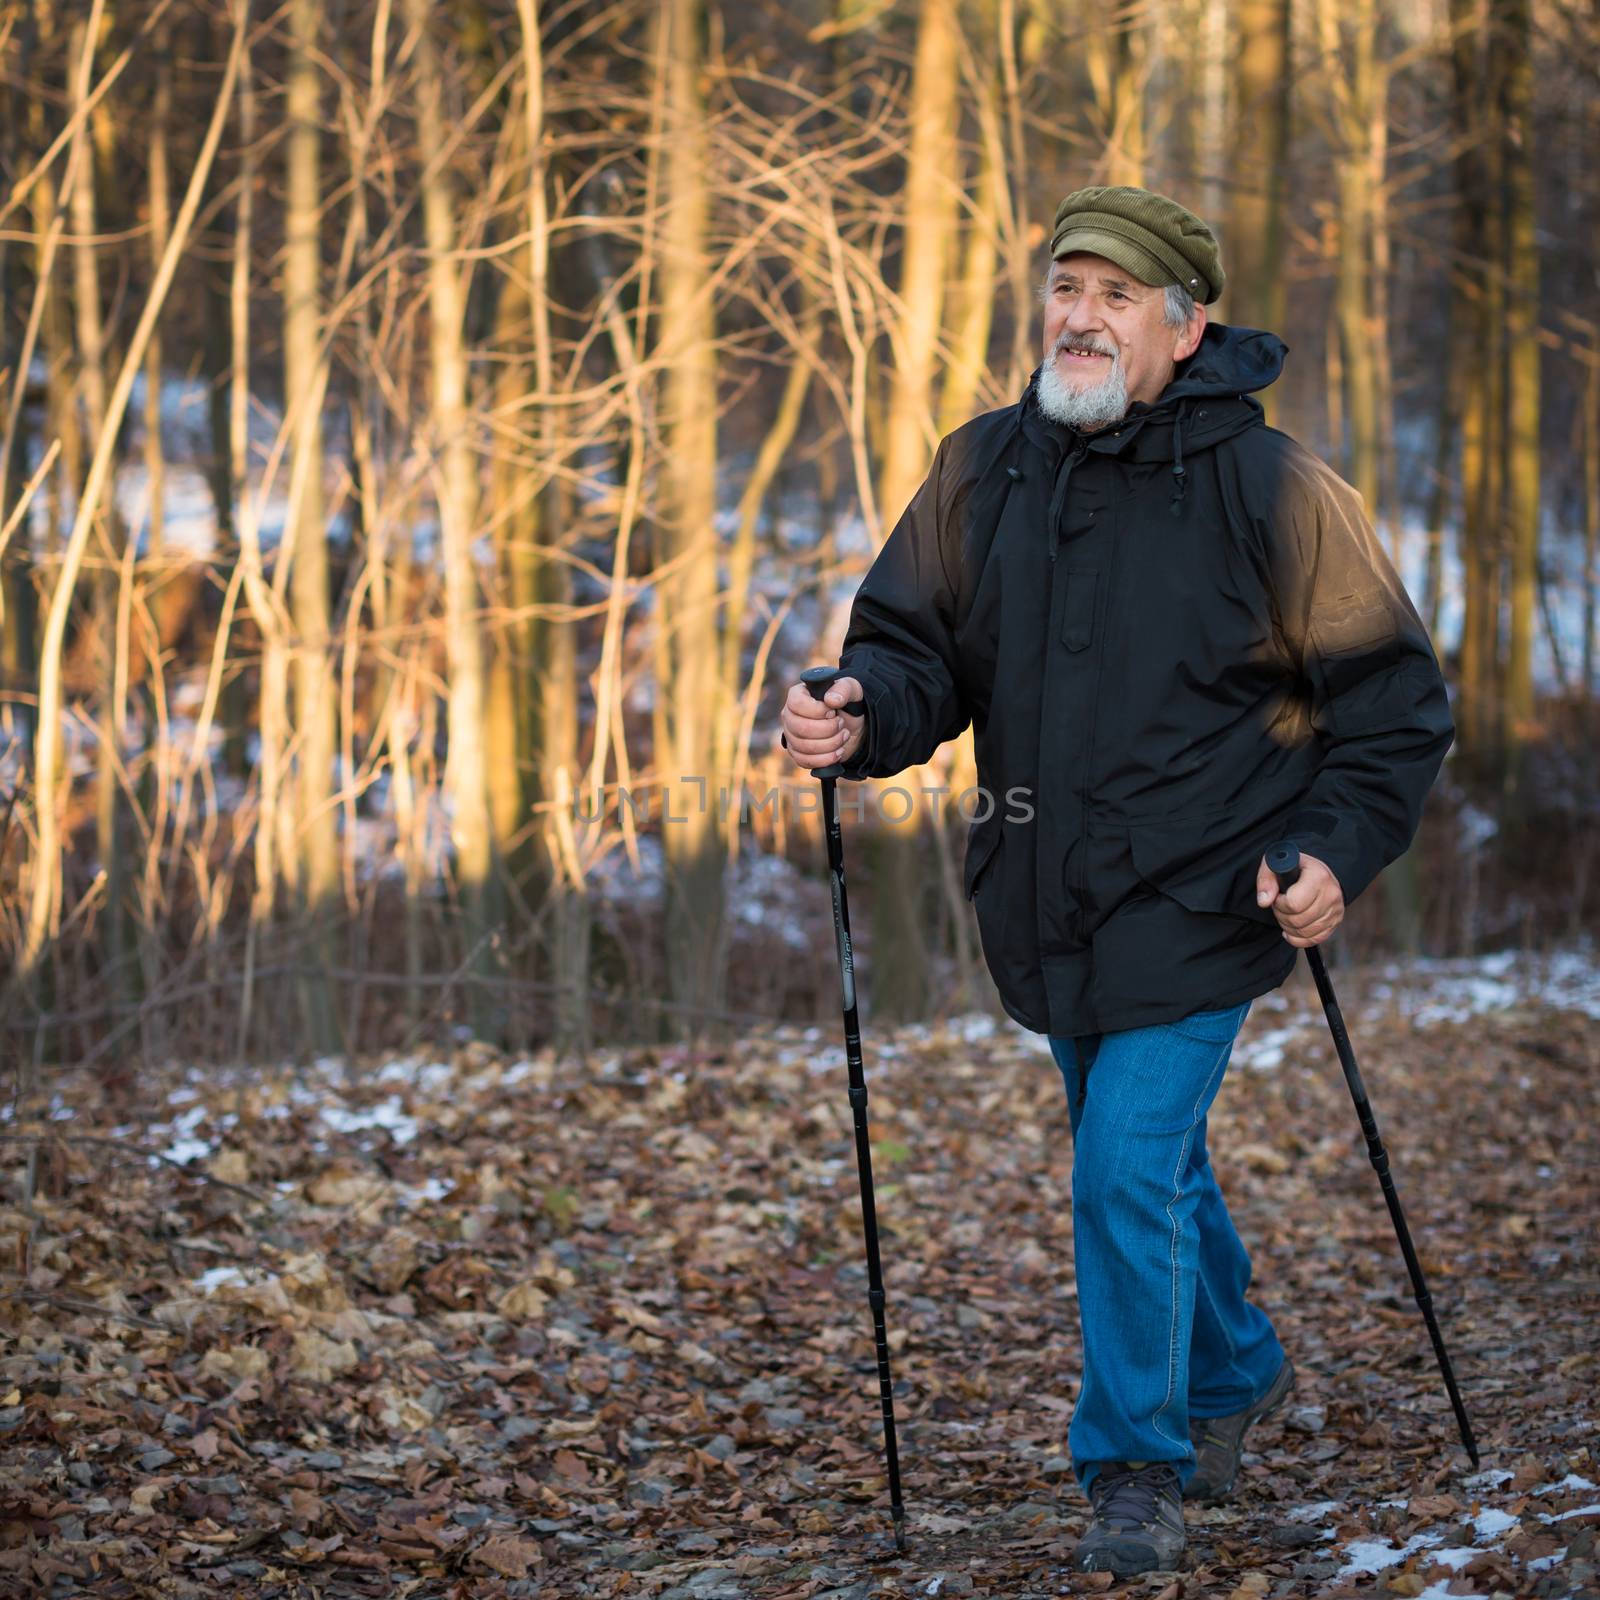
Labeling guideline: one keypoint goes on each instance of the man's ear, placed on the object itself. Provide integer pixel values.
(1189, 336)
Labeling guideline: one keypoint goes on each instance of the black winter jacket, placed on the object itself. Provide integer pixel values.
(1178, 640)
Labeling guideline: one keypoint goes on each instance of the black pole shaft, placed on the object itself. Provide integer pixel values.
(1285, 863)
(858, 1107)
(817, 680)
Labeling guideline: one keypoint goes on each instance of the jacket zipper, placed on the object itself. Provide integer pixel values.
(1088, 755)
(1058, 506)
(1058, 501)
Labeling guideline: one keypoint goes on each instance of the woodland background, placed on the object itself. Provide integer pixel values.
(432, 431)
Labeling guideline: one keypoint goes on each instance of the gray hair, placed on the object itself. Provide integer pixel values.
(1177, 308)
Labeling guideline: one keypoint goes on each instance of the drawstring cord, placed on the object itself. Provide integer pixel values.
(1179, 475)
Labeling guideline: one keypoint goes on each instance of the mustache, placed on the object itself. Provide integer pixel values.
(1086, 345)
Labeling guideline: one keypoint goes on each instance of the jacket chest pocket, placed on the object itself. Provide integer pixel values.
(1077, 612)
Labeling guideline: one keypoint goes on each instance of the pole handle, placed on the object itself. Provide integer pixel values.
(1284, 861)
(818, 680)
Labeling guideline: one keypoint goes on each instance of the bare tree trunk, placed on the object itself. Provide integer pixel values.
(1591, 536)
(975, 297)
(1259, 149)
(160, 229)
(549, 714)
(110, 828)
(927, 244)
(43, 898)
(1015, 59)
(513, 515)
(928, 241)
(1355, 95)
(687, 652)
(17, 596)
(1515, 44)
(456, 481)
(305, 546)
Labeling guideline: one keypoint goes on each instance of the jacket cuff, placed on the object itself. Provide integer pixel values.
(1334, 839)
(860, 765)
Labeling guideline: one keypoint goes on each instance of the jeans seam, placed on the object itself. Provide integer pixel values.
(1177, 1190)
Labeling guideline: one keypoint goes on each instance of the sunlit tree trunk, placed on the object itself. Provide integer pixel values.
(1480, 228)
(973, 312)
(48, 208)
(511, 513)
(1259, 157)
(687, 654)
(927, 246)
(1116, 57)
(1515, 45)
(17, 597)
(315, 873)
(1354, 88)
(456, 484)
(160, 227)
(110, 807)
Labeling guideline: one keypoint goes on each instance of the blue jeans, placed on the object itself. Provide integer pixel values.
(1162, 1275)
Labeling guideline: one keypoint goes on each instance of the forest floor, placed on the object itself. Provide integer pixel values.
(483, 1326)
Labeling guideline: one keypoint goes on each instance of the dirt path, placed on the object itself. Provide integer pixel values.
(478, 1327)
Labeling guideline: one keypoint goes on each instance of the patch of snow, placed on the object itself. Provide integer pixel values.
(184, 1151)
(184, 1147)
(1492, 1521)
(1489, 1478)
(1571, 1481)
(973, 1026)
(214, 1278)
(1373, 1555)
(421, 1074)
(1545, 1563)
(1315, 1513)
(1477, 827)
(1456, 989)
(1577, 1511)
(429, 1193)
(1263, 1051)
(1456, 1556)
(386, 1114)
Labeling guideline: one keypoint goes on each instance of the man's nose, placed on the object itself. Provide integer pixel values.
(1081, 316)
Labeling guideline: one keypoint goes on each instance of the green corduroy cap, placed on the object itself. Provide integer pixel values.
(1154, 238)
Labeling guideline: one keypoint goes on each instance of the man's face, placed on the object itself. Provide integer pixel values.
(1096, 312)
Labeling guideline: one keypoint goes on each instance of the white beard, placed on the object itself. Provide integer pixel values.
(1101, 403)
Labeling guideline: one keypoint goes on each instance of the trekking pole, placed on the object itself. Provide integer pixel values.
(818, 680)
(1284, 860)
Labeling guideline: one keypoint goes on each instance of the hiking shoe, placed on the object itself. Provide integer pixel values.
(1138, 1520)
(1219, 1441)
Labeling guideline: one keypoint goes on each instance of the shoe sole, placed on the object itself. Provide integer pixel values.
(1267, 1406)
(1128, 1563)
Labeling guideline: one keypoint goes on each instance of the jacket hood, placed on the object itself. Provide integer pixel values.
(1230, 365)
(1230, 361)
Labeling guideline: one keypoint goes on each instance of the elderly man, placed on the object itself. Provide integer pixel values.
(1177, 641)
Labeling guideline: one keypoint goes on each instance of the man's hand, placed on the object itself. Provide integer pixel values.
(818, 738)
(1308, 911)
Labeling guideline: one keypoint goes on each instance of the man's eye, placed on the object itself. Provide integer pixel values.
(1117, 294)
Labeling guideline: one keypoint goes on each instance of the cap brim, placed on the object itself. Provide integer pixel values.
(1144, 266)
